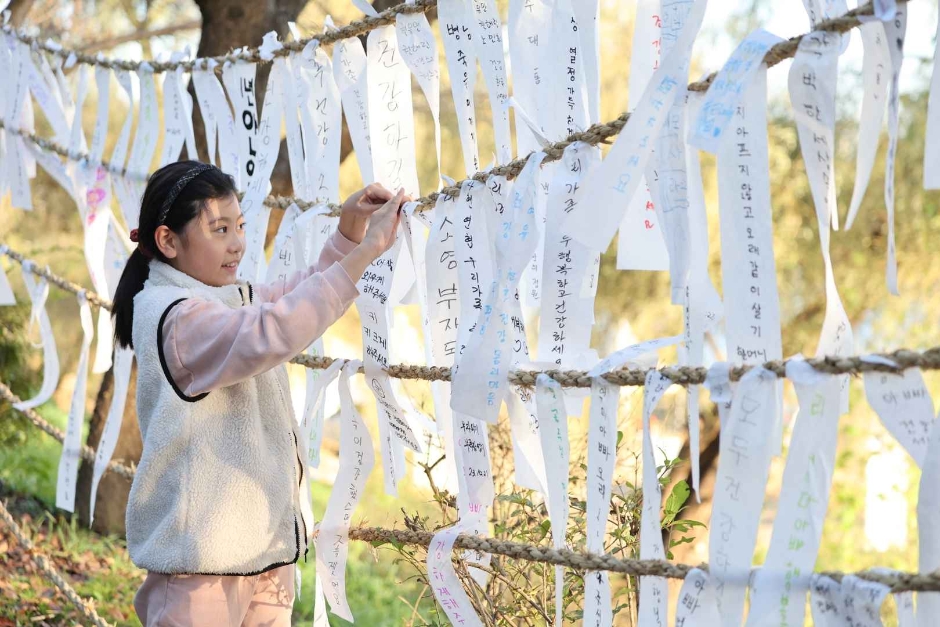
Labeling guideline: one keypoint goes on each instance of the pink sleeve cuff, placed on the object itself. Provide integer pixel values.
(345, 289)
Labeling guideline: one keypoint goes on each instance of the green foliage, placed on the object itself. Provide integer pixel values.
(14, 371)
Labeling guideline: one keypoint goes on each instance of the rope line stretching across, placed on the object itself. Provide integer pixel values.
(51, 573)
(897, 581)
(251, 55)
(928, 359)
(595, 134)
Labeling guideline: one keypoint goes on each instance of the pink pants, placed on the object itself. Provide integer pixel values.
(235, 601)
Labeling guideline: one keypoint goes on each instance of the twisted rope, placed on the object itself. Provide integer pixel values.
(52, 574)
(928, 359)
(578, 560)
(251, 55)
(87, 453)
(595, 134)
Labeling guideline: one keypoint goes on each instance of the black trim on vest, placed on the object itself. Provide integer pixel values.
(166, 370)
(256, 572)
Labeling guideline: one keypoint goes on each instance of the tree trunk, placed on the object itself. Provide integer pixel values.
(113, 489)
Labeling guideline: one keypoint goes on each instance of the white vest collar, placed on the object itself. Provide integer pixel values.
(165, 275)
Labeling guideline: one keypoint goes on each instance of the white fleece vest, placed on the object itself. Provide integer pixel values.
(217, 488)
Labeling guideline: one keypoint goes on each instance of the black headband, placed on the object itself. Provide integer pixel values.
(183, 181)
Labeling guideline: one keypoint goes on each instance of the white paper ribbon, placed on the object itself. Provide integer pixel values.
(349, 70)
(123, 361)
(72, 445)
(529, 21)
(443, 579)
(481, 382)
(321, 118)
(311, 424)
(456, 32)
(826, 602)
(38, 291)
(696, 604)
(145, 142)
(258, 165)
(812, 82)
(745, 450)
(177, 120)
(356, 461)
(553, 431)
(654, 591)
(875, 67)
(895, 28)
(641, 245)
(488, 43)
(6, 292)
(219, 123)
(778, 591)
(567, 98)
(904, 406)
(928, 528)
(418, 49)
(610, 186)
(932, 132)
(239, 81)
(566, 315)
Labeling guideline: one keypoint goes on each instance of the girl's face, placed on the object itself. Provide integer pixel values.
(212, 244)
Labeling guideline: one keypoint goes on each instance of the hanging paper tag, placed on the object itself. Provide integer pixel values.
(654, 591)
(480, 383)
(282, 263)
(6, 292)
(928, 528)
(38, 317)
(321, 118)
(553, 431)
(779, 588)
(610, 186)
(528, 45)
(418, 49)
(711, 127)
(932, 133)
(239, 80)
(474, 251)
(875, 64)
(177, 123)
(220, 123)
(391, 119)
(295, 146)
(123, 361)
(356, 461)
(567, 97)
(905, 408)
(862, 601)
(696, 604)
(740, 486)
(895, 28)
(826, 602)
(602, 457)
(258, 167)
(71, 447)
(488, 44)
(749, 276)
(349, 70)
(448, 590)
(565, 324)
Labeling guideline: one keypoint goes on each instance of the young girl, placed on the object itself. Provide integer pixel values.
(216, 513)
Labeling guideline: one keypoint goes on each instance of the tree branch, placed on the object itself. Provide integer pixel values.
(138, 35)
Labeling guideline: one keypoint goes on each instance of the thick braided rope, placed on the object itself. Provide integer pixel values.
(51, 573)
(594, 135)
(252, 55)
(87, 453)
(928, 359)
(898, 582)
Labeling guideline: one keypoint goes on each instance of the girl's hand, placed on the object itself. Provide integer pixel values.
(383, 226)
(358, 208)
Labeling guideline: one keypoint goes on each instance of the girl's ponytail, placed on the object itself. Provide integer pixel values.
(174, 196)
(132, 281)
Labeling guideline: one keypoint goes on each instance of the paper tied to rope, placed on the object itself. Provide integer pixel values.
(553, 432)
(746, 450)
(481, 381)
(654, 591)
(356, 461)
(609, 187)
(928, 526)
(317, 94)
(123, 362)
(903, 404)
(67, 476)
(527, 53)
(455, 28)
(487, 40)
(218, 121)
(38, 290)
(779, 587)
(311, 425)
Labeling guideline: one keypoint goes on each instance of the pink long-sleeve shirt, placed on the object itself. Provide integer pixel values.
(210, 346)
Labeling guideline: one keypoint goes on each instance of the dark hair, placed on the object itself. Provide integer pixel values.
(191, 199)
